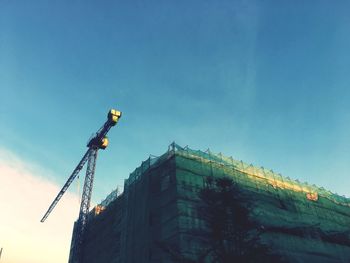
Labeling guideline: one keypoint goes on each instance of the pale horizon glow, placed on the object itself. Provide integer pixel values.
(25, 195)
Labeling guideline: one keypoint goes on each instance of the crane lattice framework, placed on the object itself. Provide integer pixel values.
(98, 141)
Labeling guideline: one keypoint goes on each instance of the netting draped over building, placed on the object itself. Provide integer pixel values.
(159, 205)
(260, 174)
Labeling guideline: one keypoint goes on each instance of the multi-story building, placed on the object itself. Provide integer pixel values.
(159, 205)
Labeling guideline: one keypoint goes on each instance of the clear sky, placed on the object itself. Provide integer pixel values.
(264, 81)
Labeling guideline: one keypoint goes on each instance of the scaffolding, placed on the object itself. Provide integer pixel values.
(160, 200)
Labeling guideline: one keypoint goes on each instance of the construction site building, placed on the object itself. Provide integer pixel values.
(304, 223)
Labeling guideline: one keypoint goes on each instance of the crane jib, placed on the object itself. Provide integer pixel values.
(67, 184)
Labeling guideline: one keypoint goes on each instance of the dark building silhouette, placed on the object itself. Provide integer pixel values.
(159, 205)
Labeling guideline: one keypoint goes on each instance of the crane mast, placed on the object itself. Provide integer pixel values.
(98, 141)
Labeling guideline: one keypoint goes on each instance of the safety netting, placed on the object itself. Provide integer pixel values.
(159, 207)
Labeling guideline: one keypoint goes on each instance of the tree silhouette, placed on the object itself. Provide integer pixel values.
(233, 236)
(230, 234)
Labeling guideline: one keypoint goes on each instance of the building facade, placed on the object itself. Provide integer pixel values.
(159, 208)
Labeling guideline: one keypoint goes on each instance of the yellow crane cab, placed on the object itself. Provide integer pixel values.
(100, 143)
(104, 143)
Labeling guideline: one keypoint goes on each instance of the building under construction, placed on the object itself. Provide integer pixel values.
(302, 222)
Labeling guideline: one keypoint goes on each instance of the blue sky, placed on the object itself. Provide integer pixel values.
(264, 81)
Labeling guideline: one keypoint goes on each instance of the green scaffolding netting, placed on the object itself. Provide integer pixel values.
(160, 201)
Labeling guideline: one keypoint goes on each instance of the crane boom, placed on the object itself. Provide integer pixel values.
(67, 184)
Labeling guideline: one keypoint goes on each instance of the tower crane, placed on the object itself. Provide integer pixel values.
(98, 141)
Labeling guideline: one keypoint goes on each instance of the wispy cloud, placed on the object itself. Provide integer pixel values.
(25, 195)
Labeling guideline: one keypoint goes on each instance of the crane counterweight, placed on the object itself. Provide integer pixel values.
(113, 116)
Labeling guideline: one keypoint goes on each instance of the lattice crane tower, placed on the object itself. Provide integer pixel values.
(98, 141)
